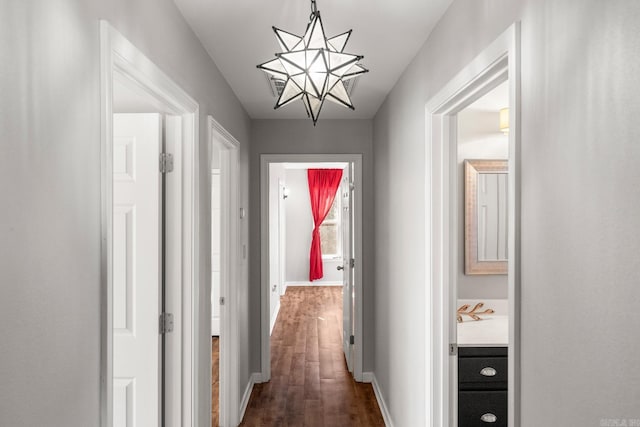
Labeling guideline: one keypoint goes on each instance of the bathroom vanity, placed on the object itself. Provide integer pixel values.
(482, 371)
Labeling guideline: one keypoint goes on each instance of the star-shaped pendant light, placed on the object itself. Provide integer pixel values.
(313, 67)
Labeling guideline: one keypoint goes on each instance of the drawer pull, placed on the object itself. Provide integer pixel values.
(489, 418)
(488, 372)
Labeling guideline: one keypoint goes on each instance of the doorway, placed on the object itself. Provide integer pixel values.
(226, 259)
(497, 65)
(341, 268)
(149, 134)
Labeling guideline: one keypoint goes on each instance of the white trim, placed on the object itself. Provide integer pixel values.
(254, 378)
(265, 160)
(491, 67)
(274, 317)
(287, 284)
(367, 377)
(121, 59)
(231, 258)
(382, 404)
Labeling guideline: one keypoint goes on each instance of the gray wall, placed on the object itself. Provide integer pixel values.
(301, 137)
(299, 225)
(50, 218)
(580, 207)
(478, 138)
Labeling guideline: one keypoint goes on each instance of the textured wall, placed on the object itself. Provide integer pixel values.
(50, 216)
(580, 208)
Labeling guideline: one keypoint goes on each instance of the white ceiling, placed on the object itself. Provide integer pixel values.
(238, 36)
(493, 101)
(126, 99)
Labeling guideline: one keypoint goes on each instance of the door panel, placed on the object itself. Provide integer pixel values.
(215, 251)
(274, 245)
(136, 269)
(347, 276)
(282, 235)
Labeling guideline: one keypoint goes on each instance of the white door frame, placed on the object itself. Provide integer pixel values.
(121, 59)
(230, 263)
(265, 161)
(496, 63)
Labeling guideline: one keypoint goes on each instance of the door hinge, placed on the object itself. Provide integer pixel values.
(453, 349)
(352, 262)
(166, 323)
(166, 162)
(221, 300)
(352, 186)
(352, 340)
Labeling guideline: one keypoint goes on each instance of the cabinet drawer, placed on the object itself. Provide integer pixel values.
(482, 373)
(482, 409)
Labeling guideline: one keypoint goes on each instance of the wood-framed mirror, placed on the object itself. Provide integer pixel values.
(486, 217)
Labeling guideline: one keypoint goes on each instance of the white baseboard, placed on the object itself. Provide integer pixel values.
(254, 378)
(316, 283)
(370, 377)
(274, 317)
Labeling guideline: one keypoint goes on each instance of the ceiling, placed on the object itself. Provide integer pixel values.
(493, 101)
(127, 100)
(238, 36)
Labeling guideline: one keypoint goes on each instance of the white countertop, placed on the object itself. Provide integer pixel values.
(491, 331)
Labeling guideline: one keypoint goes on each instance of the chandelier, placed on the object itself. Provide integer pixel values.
(313, 67)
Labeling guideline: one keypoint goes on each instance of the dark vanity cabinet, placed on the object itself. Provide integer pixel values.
(482, 386)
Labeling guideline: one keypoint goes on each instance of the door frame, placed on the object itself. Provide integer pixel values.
(499, 61)
(119, 58)
(265, 161)
(230, 262)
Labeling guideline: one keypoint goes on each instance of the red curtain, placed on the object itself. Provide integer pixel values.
(323, 184)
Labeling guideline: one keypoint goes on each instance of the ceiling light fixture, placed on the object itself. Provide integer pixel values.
(313, 67)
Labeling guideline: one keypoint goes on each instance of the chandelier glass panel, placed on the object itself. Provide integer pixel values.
(313, 67)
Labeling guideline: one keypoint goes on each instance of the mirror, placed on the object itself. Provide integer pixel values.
(486, 216)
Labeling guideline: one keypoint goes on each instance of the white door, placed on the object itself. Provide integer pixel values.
(282, 235)
(136, 269)
(347, 270)
(216, 238)
(274, 247)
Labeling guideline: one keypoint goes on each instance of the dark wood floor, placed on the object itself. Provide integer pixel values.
(215, 379)
(310, 384)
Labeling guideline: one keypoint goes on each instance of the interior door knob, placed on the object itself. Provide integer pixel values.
(340, 267)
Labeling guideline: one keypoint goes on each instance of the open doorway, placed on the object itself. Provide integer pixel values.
(481, 262)
(148, 134)
(473, 241)
(287, 225)
(291, 222)
(139, 243)
(225, 266)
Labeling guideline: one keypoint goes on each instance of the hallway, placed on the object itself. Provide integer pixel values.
(310, 384)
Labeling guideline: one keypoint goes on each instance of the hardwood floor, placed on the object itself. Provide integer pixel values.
(215, 379)
(310, 384)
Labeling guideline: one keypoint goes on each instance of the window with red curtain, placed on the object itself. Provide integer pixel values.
(323, 185)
